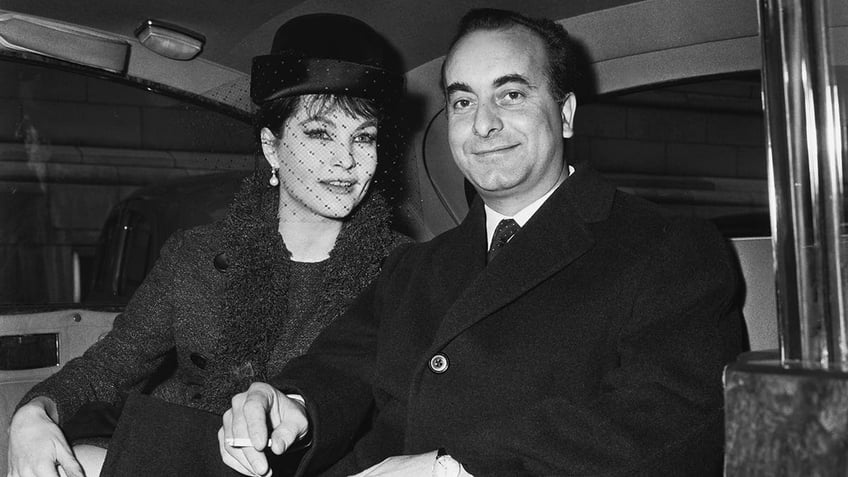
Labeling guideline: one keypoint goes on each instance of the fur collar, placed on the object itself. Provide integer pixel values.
(258, 280)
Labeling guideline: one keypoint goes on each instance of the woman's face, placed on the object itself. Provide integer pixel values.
(326, 160)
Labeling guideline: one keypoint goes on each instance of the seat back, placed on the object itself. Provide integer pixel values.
(760, 309)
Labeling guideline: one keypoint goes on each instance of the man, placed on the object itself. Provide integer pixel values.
(591, 343)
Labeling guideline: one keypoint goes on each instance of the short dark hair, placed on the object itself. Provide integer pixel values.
(274, 113)
(563, 73)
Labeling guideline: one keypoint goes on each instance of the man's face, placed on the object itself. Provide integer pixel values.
(505, 128)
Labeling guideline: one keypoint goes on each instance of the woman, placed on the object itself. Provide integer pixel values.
(237, 299)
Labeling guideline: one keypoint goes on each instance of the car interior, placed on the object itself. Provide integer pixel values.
(108, 146)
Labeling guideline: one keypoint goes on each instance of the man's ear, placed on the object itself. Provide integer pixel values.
(569, 106)
(269, 147)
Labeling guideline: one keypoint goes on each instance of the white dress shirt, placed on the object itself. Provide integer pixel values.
(493, 218)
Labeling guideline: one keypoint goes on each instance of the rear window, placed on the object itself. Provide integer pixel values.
(72, 146)
(697, 148)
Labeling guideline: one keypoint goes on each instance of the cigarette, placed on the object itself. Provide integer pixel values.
(241, 442)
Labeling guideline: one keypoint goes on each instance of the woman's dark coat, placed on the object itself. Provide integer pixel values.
(217, 295)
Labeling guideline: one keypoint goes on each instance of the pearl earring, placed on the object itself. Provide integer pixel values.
(273, 180)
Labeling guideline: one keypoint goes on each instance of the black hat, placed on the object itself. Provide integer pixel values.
(326, 53)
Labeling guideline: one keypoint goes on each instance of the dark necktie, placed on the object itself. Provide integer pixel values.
(503, 232)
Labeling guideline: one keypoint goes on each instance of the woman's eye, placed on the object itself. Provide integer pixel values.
(365, 138)
(321, 134)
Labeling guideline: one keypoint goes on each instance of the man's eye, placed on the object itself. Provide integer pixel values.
(321, 134)
(513, 97)
(365, 138)
(461, 104)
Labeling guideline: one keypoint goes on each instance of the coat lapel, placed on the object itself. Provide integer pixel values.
(462, 258)
(553, 238)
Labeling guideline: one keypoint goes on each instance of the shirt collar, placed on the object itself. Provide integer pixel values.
(493, 218)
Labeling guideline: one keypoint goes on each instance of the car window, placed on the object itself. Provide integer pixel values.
(72, 146)
(138, 227)
(695, 147)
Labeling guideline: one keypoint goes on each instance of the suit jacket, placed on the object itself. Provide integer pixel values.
(593, 344)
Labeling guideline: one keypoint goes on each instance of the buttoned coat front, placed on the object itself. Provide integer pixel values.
(593, 344)
(211, 300)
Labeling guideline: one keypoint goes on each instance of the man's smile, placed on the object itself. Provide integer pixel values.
(494, 150)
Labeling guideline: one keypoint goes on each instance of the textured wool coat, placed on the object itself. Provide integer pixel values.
(217, 296)
(593, 344)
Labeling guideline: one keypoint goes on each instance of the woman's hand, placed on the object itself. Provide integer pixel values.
(37, 445)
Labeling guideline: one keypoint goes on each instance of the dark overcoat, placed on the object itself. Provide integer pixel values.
(593, 344)
(216, 302)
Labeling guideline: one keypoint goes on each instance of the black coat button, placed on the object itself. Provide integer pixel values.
(439, 363)
(221, 262)
(198, 359)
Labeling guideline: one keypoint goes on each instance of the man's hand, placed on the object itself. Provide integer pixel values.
(37, 445)
(245, 433)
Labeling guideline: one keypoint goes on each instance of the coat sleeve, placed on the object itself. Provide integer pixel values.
(127, 355)
(660, 411)
(335, 376)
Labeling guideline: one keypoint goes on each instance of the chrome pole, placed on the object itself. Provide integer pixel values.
(788, 418)
(805, 182)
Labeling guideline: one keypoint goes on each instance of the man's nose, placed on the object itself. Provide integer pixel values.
(486, 120)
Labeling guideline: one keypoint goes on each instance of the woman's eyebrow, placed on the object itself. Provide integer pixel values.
(318, 118)
(367, 124)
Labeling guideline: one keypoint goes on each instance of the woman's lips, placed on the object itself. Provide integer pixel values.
(341, 186)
